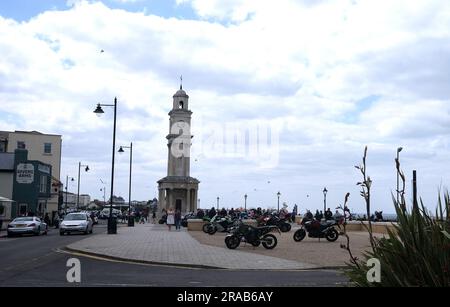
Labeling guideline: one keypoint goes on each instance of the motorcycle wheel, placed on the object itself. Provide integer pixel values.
(285, 227)
(205, 227)
(332, 235)
(212, 230)
(269, 241)
(232, 242)
(299, 235)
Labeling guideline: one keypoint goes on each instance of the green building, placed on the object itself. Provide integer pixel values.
(31, 185)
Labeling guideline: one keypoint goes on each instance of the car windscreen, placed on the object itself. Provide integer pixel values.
(75, 217)
(23, 219)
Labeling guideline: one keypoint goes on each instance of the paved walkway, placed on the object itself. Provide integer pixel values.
(155, 244)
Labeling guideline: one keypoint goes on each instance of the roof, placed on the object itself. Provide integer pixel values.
(6, 161)
(35, 132)
(180, 93)
(179, 179)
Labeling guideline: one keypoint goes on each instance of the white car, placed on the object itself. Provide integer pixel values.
(76, 222)
(27, 225)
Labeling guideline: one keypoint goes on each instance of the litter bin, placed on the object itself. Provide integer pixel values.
(112, 226)
(131, 221)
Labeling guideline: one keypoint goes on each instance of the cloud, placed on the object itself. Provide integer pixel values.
(310, 67)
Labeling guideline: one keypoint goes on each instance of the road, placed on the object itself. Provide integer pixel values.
(40, 261)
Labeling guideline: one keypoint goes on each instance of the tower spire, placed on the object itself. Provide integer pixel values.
(181, 82)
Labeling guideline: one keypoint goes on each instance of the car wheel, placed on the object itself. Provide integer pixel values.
(61, 233)
(92, 230)
(10, 235)
(38, 231)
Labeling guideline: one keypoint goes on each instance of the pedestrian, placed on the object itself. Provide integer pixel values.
(170, 218)
(178, 220)
(47, 219)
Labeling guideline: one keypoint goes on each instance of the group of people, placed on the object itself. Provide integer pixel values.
(171, 218)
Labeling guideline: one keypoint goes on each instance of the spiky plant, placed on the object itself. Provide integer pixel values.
(417, 253)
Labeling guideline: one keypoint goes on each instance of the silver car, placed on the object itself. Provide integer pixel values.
(76, 222)
(27, 225)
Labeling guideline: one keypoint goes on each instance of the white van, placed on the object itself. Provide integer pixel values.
(105, 213)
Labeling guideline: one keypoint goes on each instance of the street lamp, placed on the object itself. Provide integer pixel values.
(398, 161)
(278, 194)
(218, 203)
(112, 225)
(79, 168)
(130, 220)
(67, 186)
(245, 202)
(325, 191)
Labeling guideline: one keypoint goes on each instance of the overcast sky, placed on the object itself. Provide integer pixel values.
(327, 77)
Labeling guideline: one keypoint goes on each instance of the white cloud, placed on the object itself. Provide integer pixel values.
(305, 65)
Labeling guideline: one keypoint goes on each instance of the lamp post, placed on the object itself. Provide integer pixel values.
(325, 191)
(112, 225)
(67, 186)
(79, 173)
(245, 202)
(218, 203)
(278, 194)
(398, 161)
(130, 220)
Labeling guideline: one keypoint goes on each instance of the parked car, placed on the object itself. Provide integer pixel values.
(27, 225)
(76, 222)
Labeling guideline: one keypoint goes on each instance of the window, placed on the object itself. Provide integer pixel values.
(181, 105)
(2, 210)
(2, 146)
(20, 145)
(47, 148)
(43, 184)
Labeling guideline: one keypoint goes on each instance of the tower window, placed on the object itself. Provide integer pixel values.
(181, 105)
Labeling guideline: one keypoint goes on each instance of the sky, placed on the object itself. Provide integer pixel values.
(285, 94)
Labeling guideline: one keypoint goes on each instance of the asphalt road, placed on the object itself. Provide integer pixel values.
(39, 261)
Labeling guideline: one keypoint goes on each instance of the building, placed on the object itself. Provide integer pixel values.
(178, 190)
(69, 201)
(45, 148)
(26, 182)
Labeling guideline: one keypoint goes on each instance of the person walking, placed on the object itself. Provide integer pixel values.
(170, 218)
(178, 220)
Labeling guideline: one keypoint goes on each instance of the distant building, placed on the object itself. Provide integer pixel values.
(45, 148)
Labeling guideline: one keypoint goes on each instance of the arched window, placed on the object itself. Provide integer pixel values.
(181, 105)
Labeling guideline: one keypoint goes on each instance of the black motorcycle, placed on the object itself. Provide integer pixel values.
(253, 235)
(274, 220)
(317, 229)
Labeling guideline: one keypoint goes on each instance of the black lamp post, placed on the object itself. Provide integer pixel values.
(67, 186)
(278, 194)
(398, 157)
(112, 223)
(325, 191)
(78, 194)
(218, 203)
(130, 220)
(245, 202)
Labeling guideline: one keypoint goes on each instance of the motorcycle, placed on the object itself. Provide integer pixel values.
(253, 235)
(316, 229)
(274, 220)
(221, 224)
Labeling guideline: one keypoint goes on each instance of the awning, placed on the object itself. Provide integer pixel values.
(5, 200)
